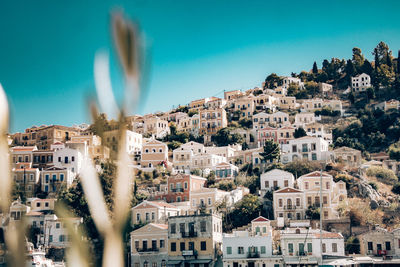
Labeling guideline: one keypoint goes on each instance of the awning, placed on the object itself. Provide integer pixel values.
(200, 261)
(173, 262)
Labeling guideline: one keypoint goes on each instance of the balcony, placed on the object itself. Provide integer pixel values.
(177, 190)
(291, 207)
(243, 108)
(144, 250)
(189, 234)
(187, 253)
(253, 254)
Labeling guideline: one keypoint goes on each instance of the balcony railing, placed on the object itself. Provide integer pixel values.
(142, 250)
(254, 254)
(177, 190)
(189, 234)
(291, 207)
(189, 253)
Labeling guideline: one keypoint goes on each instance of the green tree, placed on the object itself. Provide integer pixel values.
(381, 53)
(312, 88)
(224, 137)
(394, 151)
(271, 151)
(353, 245)
(301, 167)
(299, 132)
(272, 81)
(315, 68)
(358, 58)
(396, 188)
(245, 210)
(366, 68)
(312, 212)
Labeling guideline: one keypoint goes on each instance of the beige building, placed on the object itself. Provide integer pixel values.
(26, 178)
(194, 240)
(303, 118)
(22, 154)
(246, 106)
(153, 211)
(289, 204)
(378, 242)
(277, 119)
(287, 102)
(230, 95)
(54, 178)
(350, 156)
(149, 246)
(387, 105)
(332, 193)
(154, 126)
(154, 153)
(211, 121)
(215, 102)
(207, 199)
(44, 136)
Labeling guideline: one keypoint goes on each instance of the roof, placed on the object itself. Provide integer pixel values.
(157, 204)
(315, 174)
(24, 148)
(159, 225)
(328, 235)
(34, 213)
(345, 148)
(277, 171)
(260, 219)
(288, 190)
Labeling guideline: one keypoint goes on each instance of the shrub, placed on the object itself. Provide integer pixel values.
(396, 188)
(385, 175)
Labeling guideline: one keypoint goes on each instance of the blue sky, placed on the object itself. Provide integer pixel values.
(195, 48)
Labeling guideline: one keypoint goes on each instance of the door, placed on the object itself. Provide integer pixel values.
(235, 264)
(251, 264)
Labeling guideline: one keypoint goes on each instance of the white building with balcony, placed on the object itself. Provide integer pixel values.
(361, 82)
(307, 147)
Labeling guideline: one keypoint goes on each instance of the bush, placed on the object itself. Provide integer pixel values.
(396, 188)
(225, 185)
(384, 175)
(373, 185)
(353, 245)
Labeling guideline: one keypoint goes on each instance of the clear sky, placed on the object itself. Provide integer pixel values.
(196, 48)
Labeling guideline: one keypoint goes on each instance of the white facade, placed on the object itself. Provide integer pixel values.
(303, 118)
(361, 82)
(276, 178)
(277, 119)
(287, 81)
(307, 147)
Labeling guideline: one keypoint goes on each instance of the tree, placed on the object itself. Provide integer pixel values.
(350, 69)
(381, 53)
(246, 123)
(370, 93)
(312, 88)
(224, 137)
(313, 212)
(315, 68)
(394, 151)
(245, 210)
(358, 58)
(271, 151)
(301, 167)
(299, 132)
(396, 188)
(366, 68)
(351, 97)
(272, 81)
(353, 245)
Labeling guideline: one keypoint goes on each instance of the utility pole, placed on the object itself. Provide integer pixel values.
(320, 213)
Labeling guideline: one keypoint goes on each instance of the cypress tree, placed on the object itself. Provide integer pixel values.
(315, 68)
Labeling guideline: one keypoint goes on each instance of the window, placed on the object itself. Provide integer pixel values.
(57, 225)
(162, 243)
(173, 228)
(61, 177)
(209, 201)
(266, 184)
(280, 203)
(154, 264)
(182, 246)
(181, 227)
(387, 244)
(326, 214)
(228, 250)
(137, 217)
(240, 250)
(136, 244)
(191, 245)
(203, 245)
(145, 264)
(323, 247)
(147, 216)
(328, 185)
(61, 238)
(203, 227)
(144, 245)
(153, 216)
(290, 248)
(72, 158)
(309, 247)
(163, 263)
(314, 156)
(51, 238)
(370, 246)
(334, 247)
(173, 246)
(286, 183)
(325, 199)
(263, 250)
(306, 185)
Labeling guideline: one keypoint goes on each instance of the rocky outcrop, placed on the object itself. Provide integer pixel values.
(366, 191)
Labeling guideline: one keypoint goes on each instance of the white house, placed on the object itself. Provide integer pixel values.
(250, 248)
(303, 118)
(306, 147)
(276, 178)
(287, 81)
(303, 245)
(361, 82)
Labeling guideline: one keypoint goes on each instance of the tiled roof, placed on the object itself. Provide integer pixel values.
(329, 235)
(260, 219)
(288, 190)
(162, 226)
